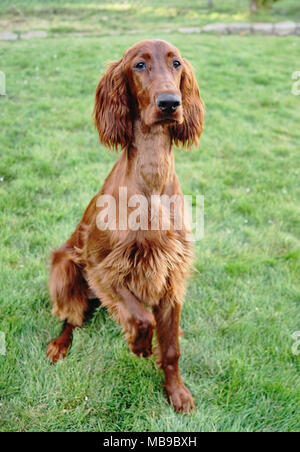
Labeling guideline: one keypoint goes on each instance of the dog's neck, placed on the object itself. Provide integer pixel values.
(151, 157)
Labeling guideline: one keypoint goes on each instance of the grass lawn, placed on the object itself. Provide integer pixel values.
(242, 305)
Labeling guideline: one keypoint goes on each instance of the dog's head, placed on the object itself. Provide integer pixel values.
(154, 83)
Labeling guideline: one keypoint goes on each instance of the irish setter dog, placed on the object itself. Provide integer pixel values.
(144, 103)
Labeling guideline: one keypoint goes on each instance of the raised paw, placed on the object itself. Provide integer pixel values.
(181, 398)
(142, 345)
(140, 339)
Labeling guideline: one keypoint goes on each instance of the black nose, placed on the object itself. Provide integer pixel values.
(168, 102)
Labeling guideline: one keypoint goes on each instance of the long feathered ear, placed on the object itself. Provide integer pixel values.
(189, 131)
(112, 110)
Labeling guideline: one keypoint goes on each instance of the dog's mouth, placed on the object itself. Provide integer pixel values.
(170, 119)
(167, 121)
(151, 117)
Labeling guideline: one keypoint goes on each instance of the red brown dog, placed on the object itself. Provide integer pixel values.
(144, 103)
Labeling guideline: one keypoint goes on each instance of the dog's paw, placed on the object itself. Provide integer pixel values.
(139, 335)
(142, 344)
(181, 398)
(57, 350)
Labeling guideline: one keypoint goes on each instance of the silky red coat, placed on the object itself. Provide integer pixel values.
(130, 271)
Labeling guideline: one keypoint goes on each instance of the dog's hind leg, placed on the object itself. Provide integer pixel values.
(58, 348)
(69, 293)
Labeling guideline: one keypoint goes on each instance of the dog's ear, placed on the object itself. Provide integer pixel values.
(189, 131)
(112, 110)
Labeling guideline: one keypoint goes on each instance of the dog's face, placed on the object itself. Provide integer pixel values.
(154, 71)
(154, 83)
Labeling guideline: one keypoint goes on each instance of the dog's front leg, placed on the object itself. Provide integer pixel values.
(137, 322)
(167, 316)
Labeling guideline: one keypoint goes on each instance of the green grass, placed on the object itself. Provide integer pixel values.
(242, 305)
(118, 16)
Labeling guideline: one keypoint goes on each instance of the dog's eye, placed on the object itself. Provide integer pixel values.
(176, 64)
(140, 66)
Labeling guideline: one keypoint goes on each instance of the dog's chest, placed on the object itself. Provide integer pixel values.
(153, 266)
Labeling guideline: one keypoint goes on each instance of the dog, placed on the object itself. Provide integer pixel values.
(144, 103)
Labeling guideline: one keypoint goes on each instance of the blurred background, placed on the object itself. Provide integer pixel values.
(115, 17)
